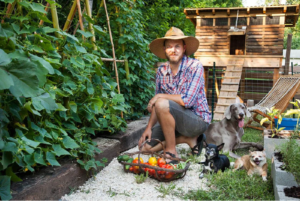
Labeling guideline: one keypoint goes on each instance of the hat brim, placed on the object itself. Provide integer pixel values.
(157, 45)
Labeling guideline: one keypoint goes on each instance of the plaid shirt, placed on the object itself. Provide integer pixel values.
(188, 82)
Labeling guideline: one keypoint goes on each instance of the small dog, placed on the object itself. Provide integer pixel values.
(254, 163)
(214, 160)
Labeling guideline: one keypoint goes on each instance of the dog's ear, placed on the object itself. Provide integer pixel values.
(220, 147)
(227, 113)
(247, 112)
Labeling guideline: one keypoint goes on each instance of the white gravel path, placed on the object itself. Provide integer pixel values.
(112, 183)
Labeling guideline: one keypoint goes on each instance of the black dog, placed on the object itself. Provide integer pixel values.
(214, 160)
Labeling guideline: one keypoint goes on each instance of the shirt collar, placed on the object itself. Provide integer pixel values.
(181, 66)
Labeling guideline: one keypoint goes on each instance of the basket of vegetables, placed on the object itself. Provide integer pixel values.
(156, 165)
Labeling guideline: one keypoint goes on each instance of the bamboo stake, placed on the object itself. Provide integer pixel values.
(89, 13)
(55, 18)
(70, 16)
(77, 25)
(113, 50)
(80, 15)
(10, 8)
(46, 9)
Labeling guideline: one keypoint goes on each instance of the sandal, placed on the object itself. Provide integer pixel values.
(197, 149)
(173, 156)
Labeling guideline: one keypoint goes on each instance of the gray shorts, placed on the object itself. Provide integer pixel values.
(187, 123)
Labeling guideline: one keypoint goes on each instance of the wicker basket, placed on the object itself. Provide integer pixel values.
(176, 174)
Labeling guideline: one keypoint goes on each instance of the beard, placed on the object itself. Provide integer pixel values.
(174, 60)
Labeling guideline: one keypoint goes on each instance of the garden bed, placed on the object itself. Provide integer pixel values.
(281, 180)
(270, 143)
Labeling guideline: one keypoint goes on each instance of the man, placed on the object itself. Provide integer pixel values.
(179, 110)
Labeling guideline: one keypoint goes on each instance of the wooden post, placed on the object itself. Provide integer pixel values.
(55, 18)
(80, 15)
(46, 9)
(89, 13)
(288, 54)
(70, 16)
(10, 9)
(113, 50)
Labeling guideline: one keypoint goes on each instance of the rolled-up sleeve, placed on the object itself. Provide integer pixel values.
(193, 87)
(158, 87)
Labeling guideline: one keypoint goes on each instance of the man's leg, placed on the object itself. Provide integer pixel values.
(167, 123)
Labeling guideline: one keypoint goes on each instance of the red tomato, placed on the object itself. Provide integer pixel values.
(151, 172)
(169, 175)
(161, 162)
(135, 161)
(131, 169)
(275, 117)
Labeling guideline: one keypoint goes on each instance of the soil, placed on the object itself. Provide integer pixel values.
(292, 192)
(279, 157)
(275, 136)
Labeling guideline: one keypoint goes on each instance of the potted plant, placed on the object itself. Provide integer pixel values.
(281, 128)
(286, 171)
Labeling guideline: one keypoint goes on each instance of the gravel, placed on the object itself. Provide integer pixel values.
(112, 183)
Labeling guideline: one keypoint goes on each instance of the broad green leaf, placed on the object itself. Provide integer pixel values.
(90, 88)
(24, 3)
(45, 64)
(78, 62)
(69, 143)
(35, 48)
(60, 107)
(3, 116)
(50, 157)
(73, 106)
(20, 18)
(58, 150)
(280, 129)
(264, 120)
(80, 49)
(118, 98)
(90, 164)
(28, 149)
(70, 126)
(6, 80)
(20, 55)
(119, 107)
(99, 29)
(29, 159)
(25, 80)
(4, 58)
(42, 131)
(39, 158)
(10, 146)
(13, 176)
(97, 104)
(41, 140)
(30, 142)
(7, 159)
(16, 28)
(37, 7)
(44, 101)
(86, 34)
(44, 43)
(27, 106)
(1, 142)
(49, 29)
(5, 187)
(51, 125)
(68, 35)
(87, 18)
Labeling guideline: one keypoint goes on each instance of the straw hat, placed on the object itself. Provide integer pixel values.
(157, 45)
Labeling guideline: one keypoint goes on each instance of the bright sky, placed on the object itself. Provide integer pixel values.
(247, 3)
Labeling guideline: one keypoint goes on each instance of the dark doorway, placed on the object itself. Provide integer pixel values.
(237, 45)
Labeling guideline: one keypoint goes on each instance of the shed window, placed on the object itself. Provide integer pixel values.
(241, 21)
(222, 22)
(207, 22)
(272, 20)
(256, 20)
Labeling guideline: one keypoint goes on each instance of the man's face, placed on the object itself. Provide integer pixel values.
(174, 50)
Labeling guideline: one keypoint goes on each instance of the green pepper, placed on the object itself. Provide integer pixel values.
(128, 166)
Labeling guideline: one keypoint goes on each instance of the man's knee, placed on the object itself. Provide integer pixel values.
(161, 105)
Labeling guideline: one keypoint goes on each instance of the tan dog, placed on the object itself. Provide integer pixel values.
(255, 163)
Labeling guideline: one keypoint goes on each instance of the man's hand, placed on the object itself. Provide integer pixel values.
(152, 103)
(146, 135)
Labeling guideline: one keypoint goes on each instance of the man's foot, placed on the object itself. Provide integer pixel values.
(170, 160)
(197, 149)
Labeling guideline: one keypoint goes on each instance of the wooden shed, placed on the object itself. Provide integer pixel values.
(240, 38)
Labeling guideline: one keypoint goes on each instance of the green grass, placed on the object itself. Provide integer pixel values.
(231, 185)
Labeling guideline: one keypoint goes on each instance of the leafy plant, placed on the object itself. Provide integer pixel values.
(291, 157)
(273, 113)
(141, 178)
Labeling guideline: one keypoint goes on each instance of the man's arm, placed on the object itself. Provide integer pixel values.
(174, 97)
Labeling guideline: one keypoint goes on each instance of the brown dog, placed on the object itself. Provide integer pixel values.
(254, 163)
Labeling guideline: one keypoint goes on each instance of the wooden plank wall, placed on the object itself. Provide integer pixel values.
(264, 40)
(213, 40)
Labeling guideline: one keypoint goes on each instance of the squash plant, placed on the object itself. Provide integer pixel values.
(55, 94)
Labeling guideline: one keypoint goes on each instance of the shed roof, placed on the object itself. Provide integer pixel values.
(290, 11)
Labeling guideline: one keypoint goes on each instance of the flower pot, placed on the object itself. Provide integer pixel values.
(287, 123)
(271, 143)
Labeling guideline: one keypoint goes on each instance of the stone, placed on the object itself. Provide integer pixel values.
(280, 195)
(131, 136)
(51, 183)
